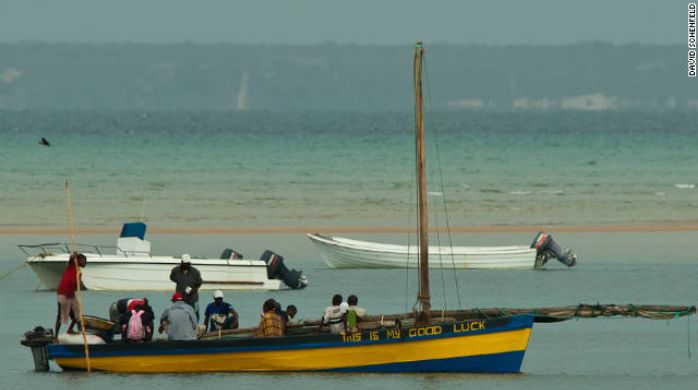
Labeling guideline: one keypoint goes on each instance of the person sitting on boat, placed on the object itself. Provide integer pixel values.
(280, 312)
(291, 312)
(220, 313)
(180, 318)
(119, 308)
(335, 315)
(354, 313)
(188, 280)
(67, 305)
(271, 324)
(137, 324)
(128, 304)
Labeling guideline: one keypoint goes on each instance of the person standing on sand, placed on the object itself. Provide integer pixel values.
(67, 305)
(188, 280)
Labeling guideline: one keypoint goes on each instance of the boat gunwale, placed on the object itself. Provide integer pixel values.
(394, 248)
(292, 342)
(100, 259)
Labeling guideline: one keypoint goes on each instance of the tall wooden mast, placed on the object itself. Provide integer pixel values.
(423, 296)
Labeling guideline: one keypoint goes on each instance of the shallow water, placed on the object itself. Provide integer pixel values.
(614, 268)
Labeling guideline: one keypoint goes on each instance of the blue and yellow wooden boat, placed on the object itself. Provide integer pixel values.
(495, 345)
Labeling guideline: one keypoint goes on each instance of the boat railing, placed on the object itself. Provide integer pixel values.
(50, 249)
(132, 253)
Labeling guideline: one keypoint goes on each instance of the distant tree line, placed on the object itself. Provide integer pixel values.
(35, 75)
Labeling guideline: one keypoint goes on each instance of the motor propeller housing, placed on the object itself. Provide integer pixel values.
(548, 248)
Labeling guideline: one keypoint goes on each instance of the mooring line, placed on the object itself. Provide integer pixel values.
(13, 270)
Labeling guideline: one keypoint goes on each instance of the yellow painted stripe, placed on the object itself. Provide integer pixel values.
(313, 358)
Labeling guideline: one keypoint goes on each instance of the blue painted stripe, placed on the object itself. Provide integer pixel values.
(509, 362)
(179, 348)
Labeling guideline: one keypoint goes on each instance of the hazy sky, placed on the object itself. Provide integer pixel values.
(345, 21)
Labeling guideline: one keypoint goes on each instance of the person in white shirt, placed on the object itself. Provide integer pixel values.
(335, 315)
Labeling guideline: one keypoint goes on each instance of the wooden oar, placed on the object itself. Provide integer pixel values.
(73, 250)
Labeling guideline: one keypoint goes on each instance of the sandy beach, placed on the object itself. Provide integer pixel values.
(684, 226)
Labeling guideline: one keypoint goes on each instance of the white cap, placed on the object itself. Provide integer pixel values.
(186, 258)
(218, 294)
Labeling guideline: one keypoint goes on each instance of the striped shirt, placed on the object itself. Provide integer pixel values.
(271, 325)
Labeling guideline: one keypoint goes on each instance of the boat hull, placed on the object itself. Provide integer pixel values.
(122, 273)
(496, 346)
(340, 252)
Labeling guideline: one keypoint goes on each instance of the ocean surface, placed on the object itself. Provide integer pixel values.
(208, 169)
(323, 168)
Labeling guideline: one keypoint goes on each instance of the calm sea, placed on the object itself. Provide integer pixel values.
(319, 168)
(330, 169)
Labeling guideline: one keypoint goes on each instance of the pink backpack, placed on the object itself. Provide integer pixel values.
(135, 326)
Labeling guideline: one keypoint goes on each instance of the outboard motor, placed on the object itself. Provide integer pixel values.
(276, 269)
(547, 248)
(37, 340)
(231, 254)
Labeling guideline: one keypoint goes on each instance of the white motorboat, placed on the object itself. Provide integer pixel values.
(131, 267)
(340, 252)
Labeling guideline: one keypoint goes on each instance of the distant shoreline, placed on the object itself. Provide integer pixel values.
(599, 228)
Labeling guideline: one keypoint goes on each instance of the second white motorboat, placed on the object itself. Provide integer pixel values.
(339, 252)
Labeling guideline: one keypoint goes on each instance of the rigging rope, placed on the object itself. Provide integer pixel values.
(441, 263)
(441, 182)
(435, 216)
(78, 295)
(13, 270)
(688, 334)
(143, 203)
(409, 239)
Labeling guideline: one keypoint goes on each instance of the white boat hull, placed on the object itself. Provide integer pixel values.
(139, 273)
(340, 252)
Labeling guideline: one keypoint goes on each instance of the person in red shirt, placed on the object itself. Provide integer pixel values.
(67, 306)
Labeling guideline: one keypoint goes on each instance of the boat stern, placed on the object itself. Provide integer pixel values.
(38, 341)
